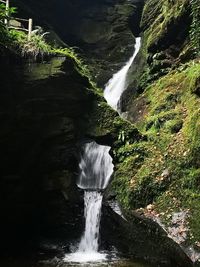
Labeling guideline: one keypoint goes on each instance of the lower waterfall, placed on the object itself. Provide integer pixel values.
(93, 202)
(96, 168)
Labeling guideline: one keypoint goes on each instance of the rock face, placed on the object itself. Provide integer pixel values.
(41, 104)
(142, 238)
(47, 109)
(102, 30)
(163, 102)
(165, 28)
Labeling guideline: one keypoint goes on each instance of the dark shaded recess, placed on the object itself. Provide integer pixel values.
(99, 30)
(62, 16)
(41, 121)
(141, 238)
(134, 20)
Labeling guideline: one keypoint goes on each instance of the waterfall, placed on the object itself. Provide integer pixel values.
(96, 169)
(93, 202)
(118, 83)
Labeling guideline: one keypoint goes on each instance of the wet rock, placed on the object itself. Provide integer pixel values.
(165, 173)
(101, 29)
(38, 150)
(142, 238)
(178, 230)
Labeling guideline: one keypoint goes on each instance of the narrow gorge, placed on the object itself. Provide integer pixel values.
(100, 133)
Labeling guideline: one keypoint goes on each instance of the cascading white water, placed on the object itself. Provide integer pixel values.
(118, 83)
(96, 169)
(93, 202)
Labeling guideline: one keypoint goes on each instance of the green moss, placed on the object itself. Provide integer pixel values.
(80, 65)
(103, 120)
(158, 15)
(182, 146)
(140, 150)
(159, 120)
(172, 127)
(100, 118)
(195, 27)
(122, 184)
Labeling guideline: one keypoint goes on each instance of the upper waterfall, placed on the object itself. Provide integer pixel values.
(95, 166)
(118, 83)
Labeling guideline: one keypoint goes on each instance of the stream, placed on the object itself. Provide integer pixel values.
(87, 244)
(118, 83)
(96, 168)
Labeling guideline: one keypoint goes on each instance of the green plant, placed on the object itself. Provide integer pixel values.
(37, 46)
(17, 40)
(5, 13)
(4, 33)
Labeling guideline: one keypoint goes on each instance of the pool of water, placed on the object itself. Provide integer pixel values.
(60, 262)
(119, 263)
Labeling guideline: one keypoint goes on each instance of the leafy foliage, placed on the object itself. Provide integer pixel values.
(4, 33)
(4, 12)
(37, 46)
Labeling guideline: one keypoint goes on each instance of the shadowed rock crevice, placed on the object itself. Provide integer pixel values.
(102, 31)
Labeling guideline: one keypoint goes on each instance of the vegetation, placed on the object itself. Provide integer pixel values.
(4, 33)
(164, 169)
(17, 40)
(161, 164)
(80, 65)
(158, 16)
(37, 47)
(195, 27)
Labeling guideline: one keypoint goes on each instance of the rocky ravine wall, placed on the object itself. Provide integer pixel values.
(47, 109)
(149, 171)
(99, 29)
(160, 177)
(41, 105)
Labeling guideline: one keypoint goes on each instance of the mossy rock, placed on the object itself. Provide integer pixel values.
(104, 121)
(171, 125)
(158, 16)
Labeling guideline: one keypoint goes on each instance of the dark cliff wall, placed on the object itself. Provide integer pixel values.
(102, 30)
(47, 109)
(41, 107)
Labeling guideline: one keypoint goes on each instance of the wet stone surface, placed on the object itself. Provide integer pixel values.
(13, 262)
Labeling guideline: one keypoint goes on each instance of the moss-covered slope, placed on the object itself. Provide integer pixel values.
(164, 169)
